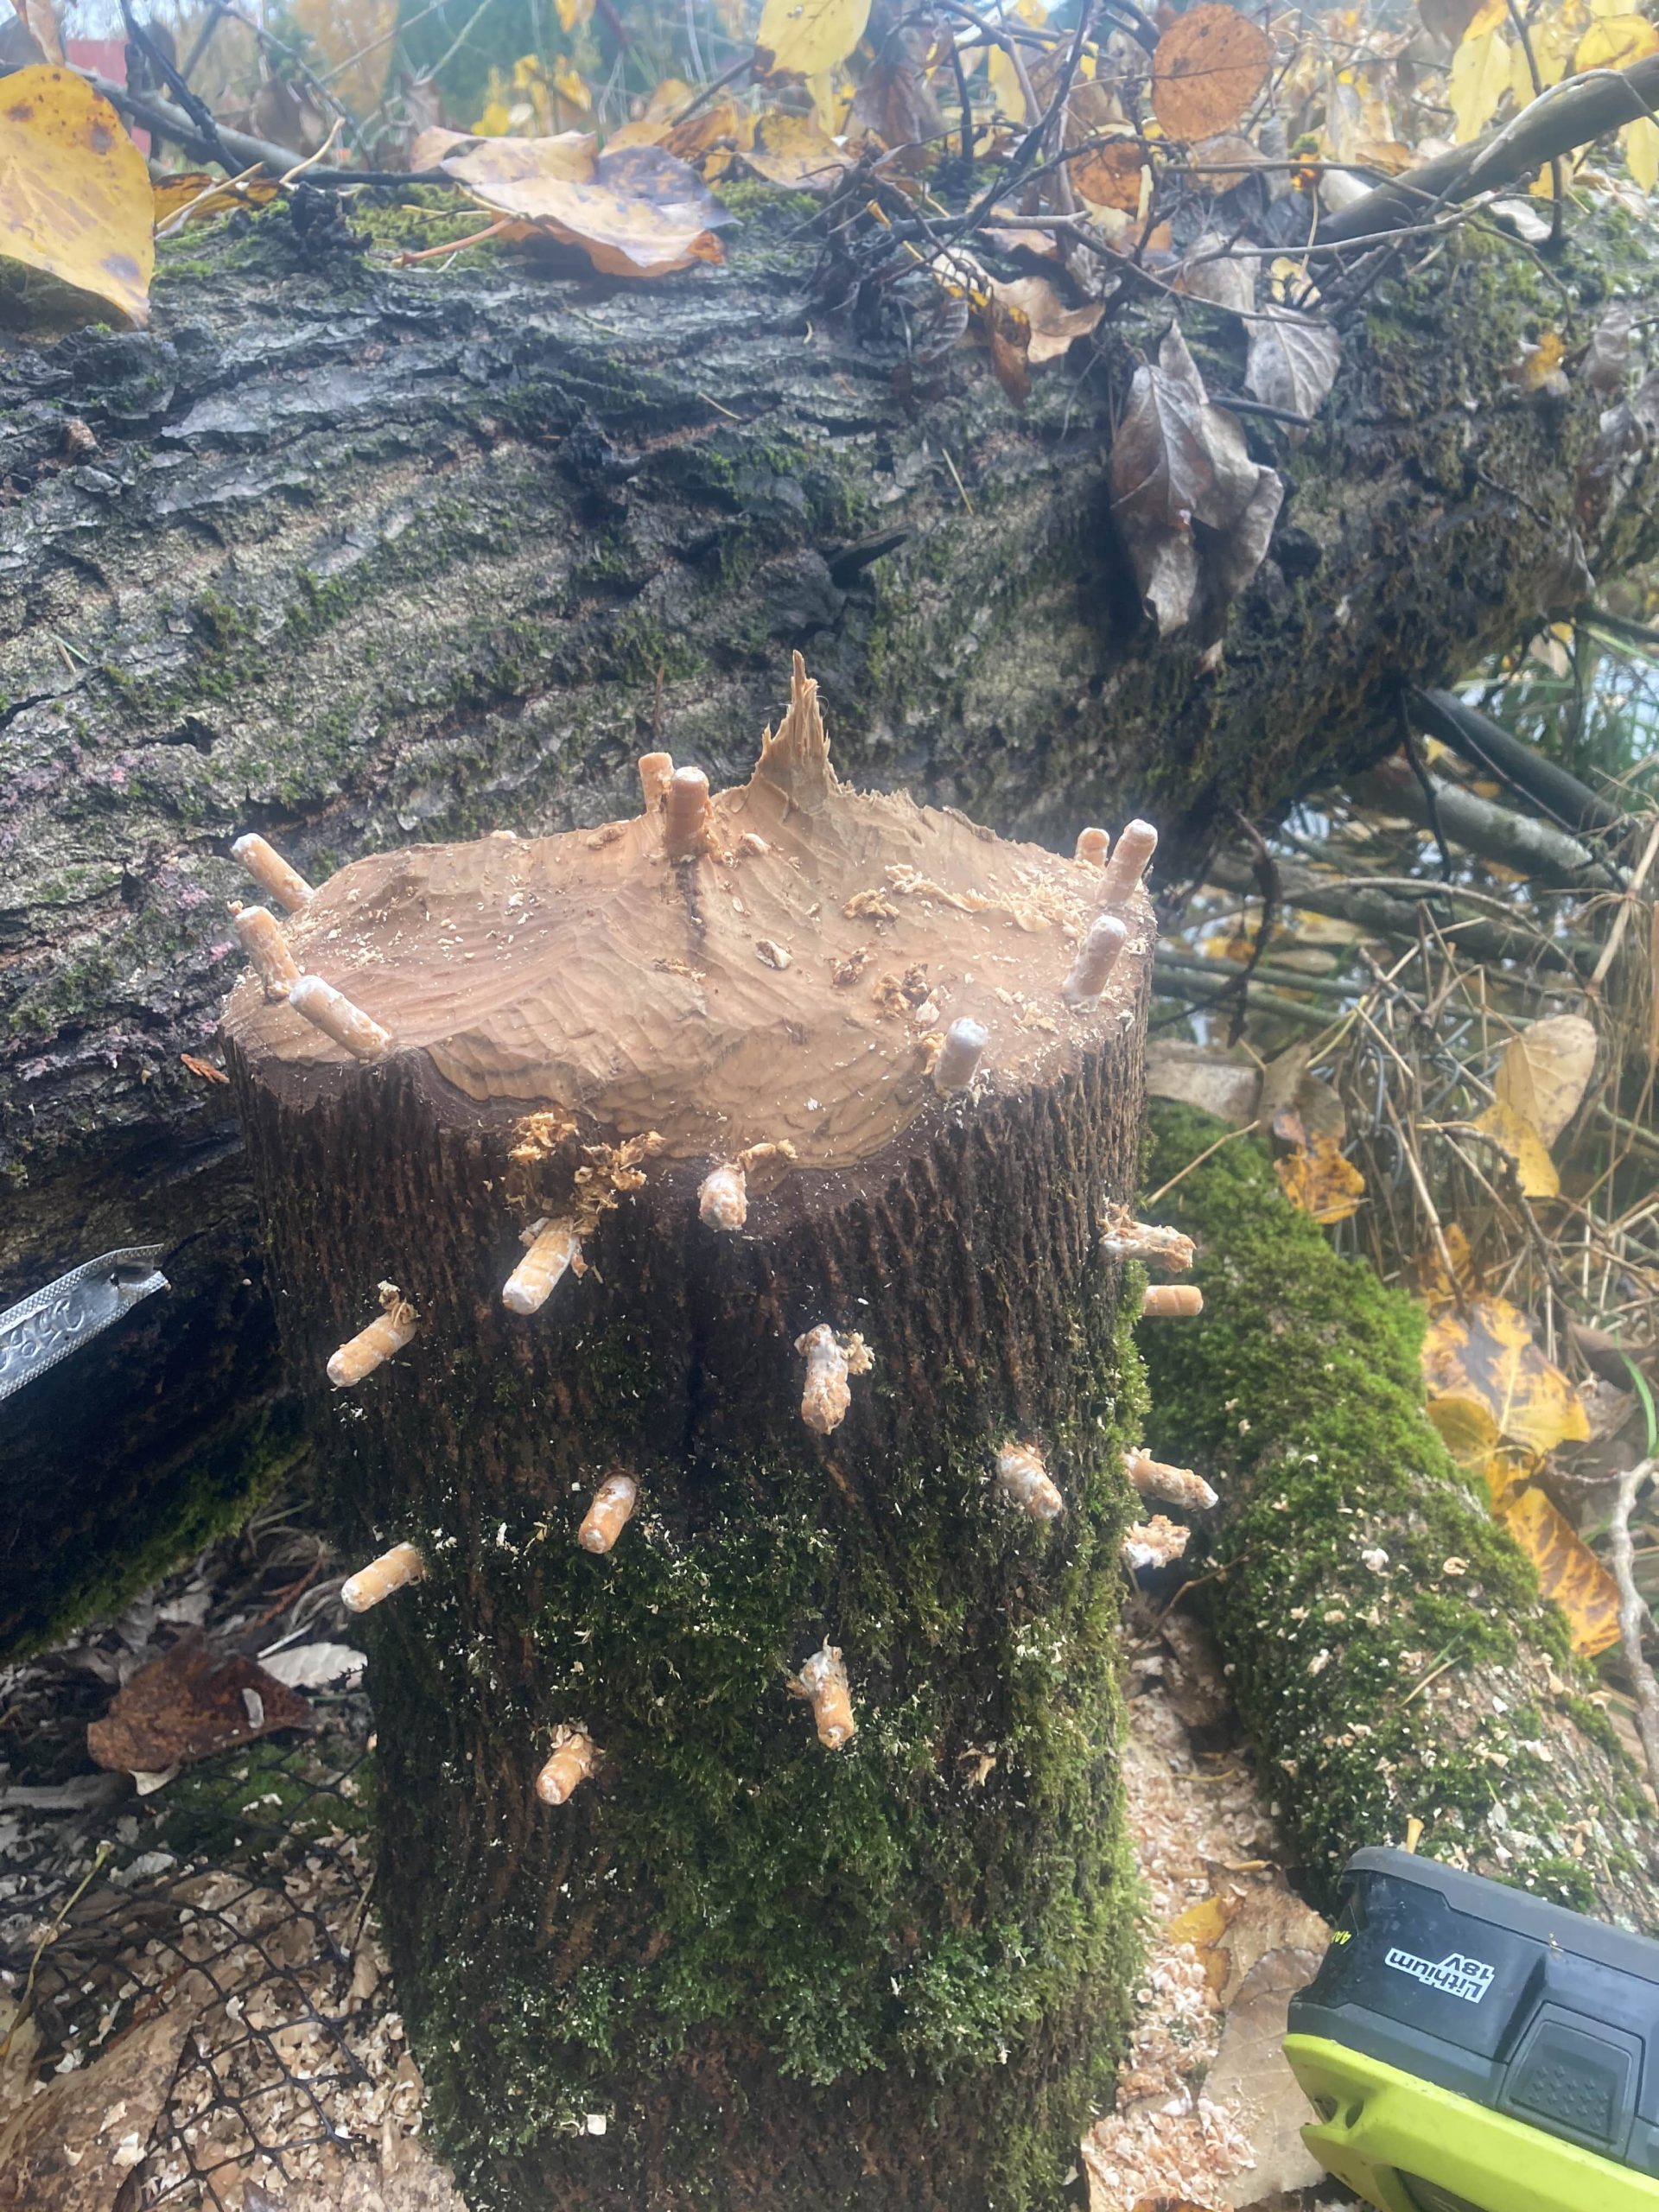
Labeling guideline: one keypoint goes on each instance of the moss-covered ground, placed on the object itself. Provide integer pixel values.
(1386, 1642)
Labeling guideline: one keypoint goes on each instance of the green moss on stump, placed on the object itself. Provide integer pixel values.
(836, 1909)
(1373, 1690)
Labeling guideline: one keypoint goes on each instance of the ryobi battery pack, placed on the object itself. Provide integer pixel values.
(1468, 2048)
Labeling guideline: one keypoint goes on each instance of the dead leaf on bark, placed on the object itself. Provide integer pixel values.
(1568, 1571)
(1208, 271)
(71, 2148)
(637, 213)
(1292, 362)
(77, 216)
(1050, 324)
(894, 103)
(1181, 467)
(1208, 68)
(187, 1705)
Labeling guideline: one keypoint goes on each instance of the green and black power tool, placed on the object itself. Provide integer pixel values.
(1471, 2048)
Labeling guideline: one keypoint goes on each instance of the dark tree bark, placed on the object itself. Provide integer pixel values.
(363, 556)
(776, 1974)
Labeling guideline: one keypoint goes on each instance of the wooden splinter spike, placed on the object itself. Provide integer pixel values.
(1093, 846)
(1023, 1480)
(333, 1012)
(1096, 957)
(260, 935)
(1129, 864)
(386, 1337)
(959, 1063)
(656, 774)
(1171, 1301)
(609, 1514)
(1175, 1485)
(823, 1683)
(551, 1247)
(1126, 1238)
(272, 873)
(573, 1758)
(686, 813)
(724, 1197)
(393, 1570)
(1157, 1542)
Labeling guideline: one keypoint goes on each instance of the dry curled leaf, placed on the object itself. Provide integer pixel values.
(1208, 68)
(195, 192)
(76, 211)
(638, 212)
(1318, 1180)
(1109, 175)
(187, 1705)
(40, 20)
(1050, 324)
(1293, 362)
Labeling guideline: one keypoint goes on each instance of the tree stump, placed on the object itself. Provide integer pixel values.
(764, 1848)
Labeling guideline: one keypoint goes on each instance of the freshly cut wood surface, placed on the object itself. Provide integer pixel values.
(783, 984)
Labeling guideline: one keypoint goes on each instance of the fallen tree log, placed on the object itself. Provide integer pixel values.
(355, 556)
(1384, 1638)
(836, 1405)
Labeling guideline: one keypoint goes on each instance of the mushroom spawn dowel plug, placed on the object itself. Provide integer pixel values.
(791, 1972)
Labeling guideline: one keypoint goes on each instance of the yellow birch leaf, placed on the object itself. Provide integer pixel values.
(1640, 140)
(1568, 1571)
(1535, 1170)
(1486, 1353)
(75, 202)
(1547, 1067)
(803, 38)
(1318, 1180)
(1555, 38)
(1479, 75)
(1614, 41)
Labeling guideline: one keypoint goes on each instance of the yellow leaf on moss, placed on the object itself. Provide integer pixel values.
(803, 38)
(1535, 1170)
(1568, 1571)
(1485, 1353)
(76, 207)
(1479, 75)
(1318, 1180)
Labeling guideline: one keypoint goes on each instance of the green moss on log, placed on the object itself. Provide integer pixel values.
(1387, 1645)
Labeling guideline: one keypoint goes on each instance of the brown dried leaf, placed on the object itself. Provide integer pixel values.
(1051, 325)
(1208, 68)
(895, 102)
(1545, 1071)
(187, 1705)
(71, 2148)
(1250, 2067)
(1109, 175)
(1293, 362)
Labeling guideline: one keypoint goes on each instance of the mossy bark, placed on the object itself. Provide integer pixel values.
(1428, 1679)
(778, 1975)
(364, 556)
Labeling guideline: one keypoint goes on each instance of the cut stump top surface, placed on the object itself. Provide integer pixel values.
(594, 972)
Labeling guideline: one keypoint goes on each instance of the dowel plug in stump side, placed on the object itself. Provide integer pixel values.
(793, 1973)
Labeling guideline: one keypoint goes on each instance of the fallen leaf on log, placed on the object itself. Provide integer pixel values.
(76, 209)
(794, 152)
(1207, 68)
(71, 2148)
(187, 1705)
(205, 196)
(637, 213)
